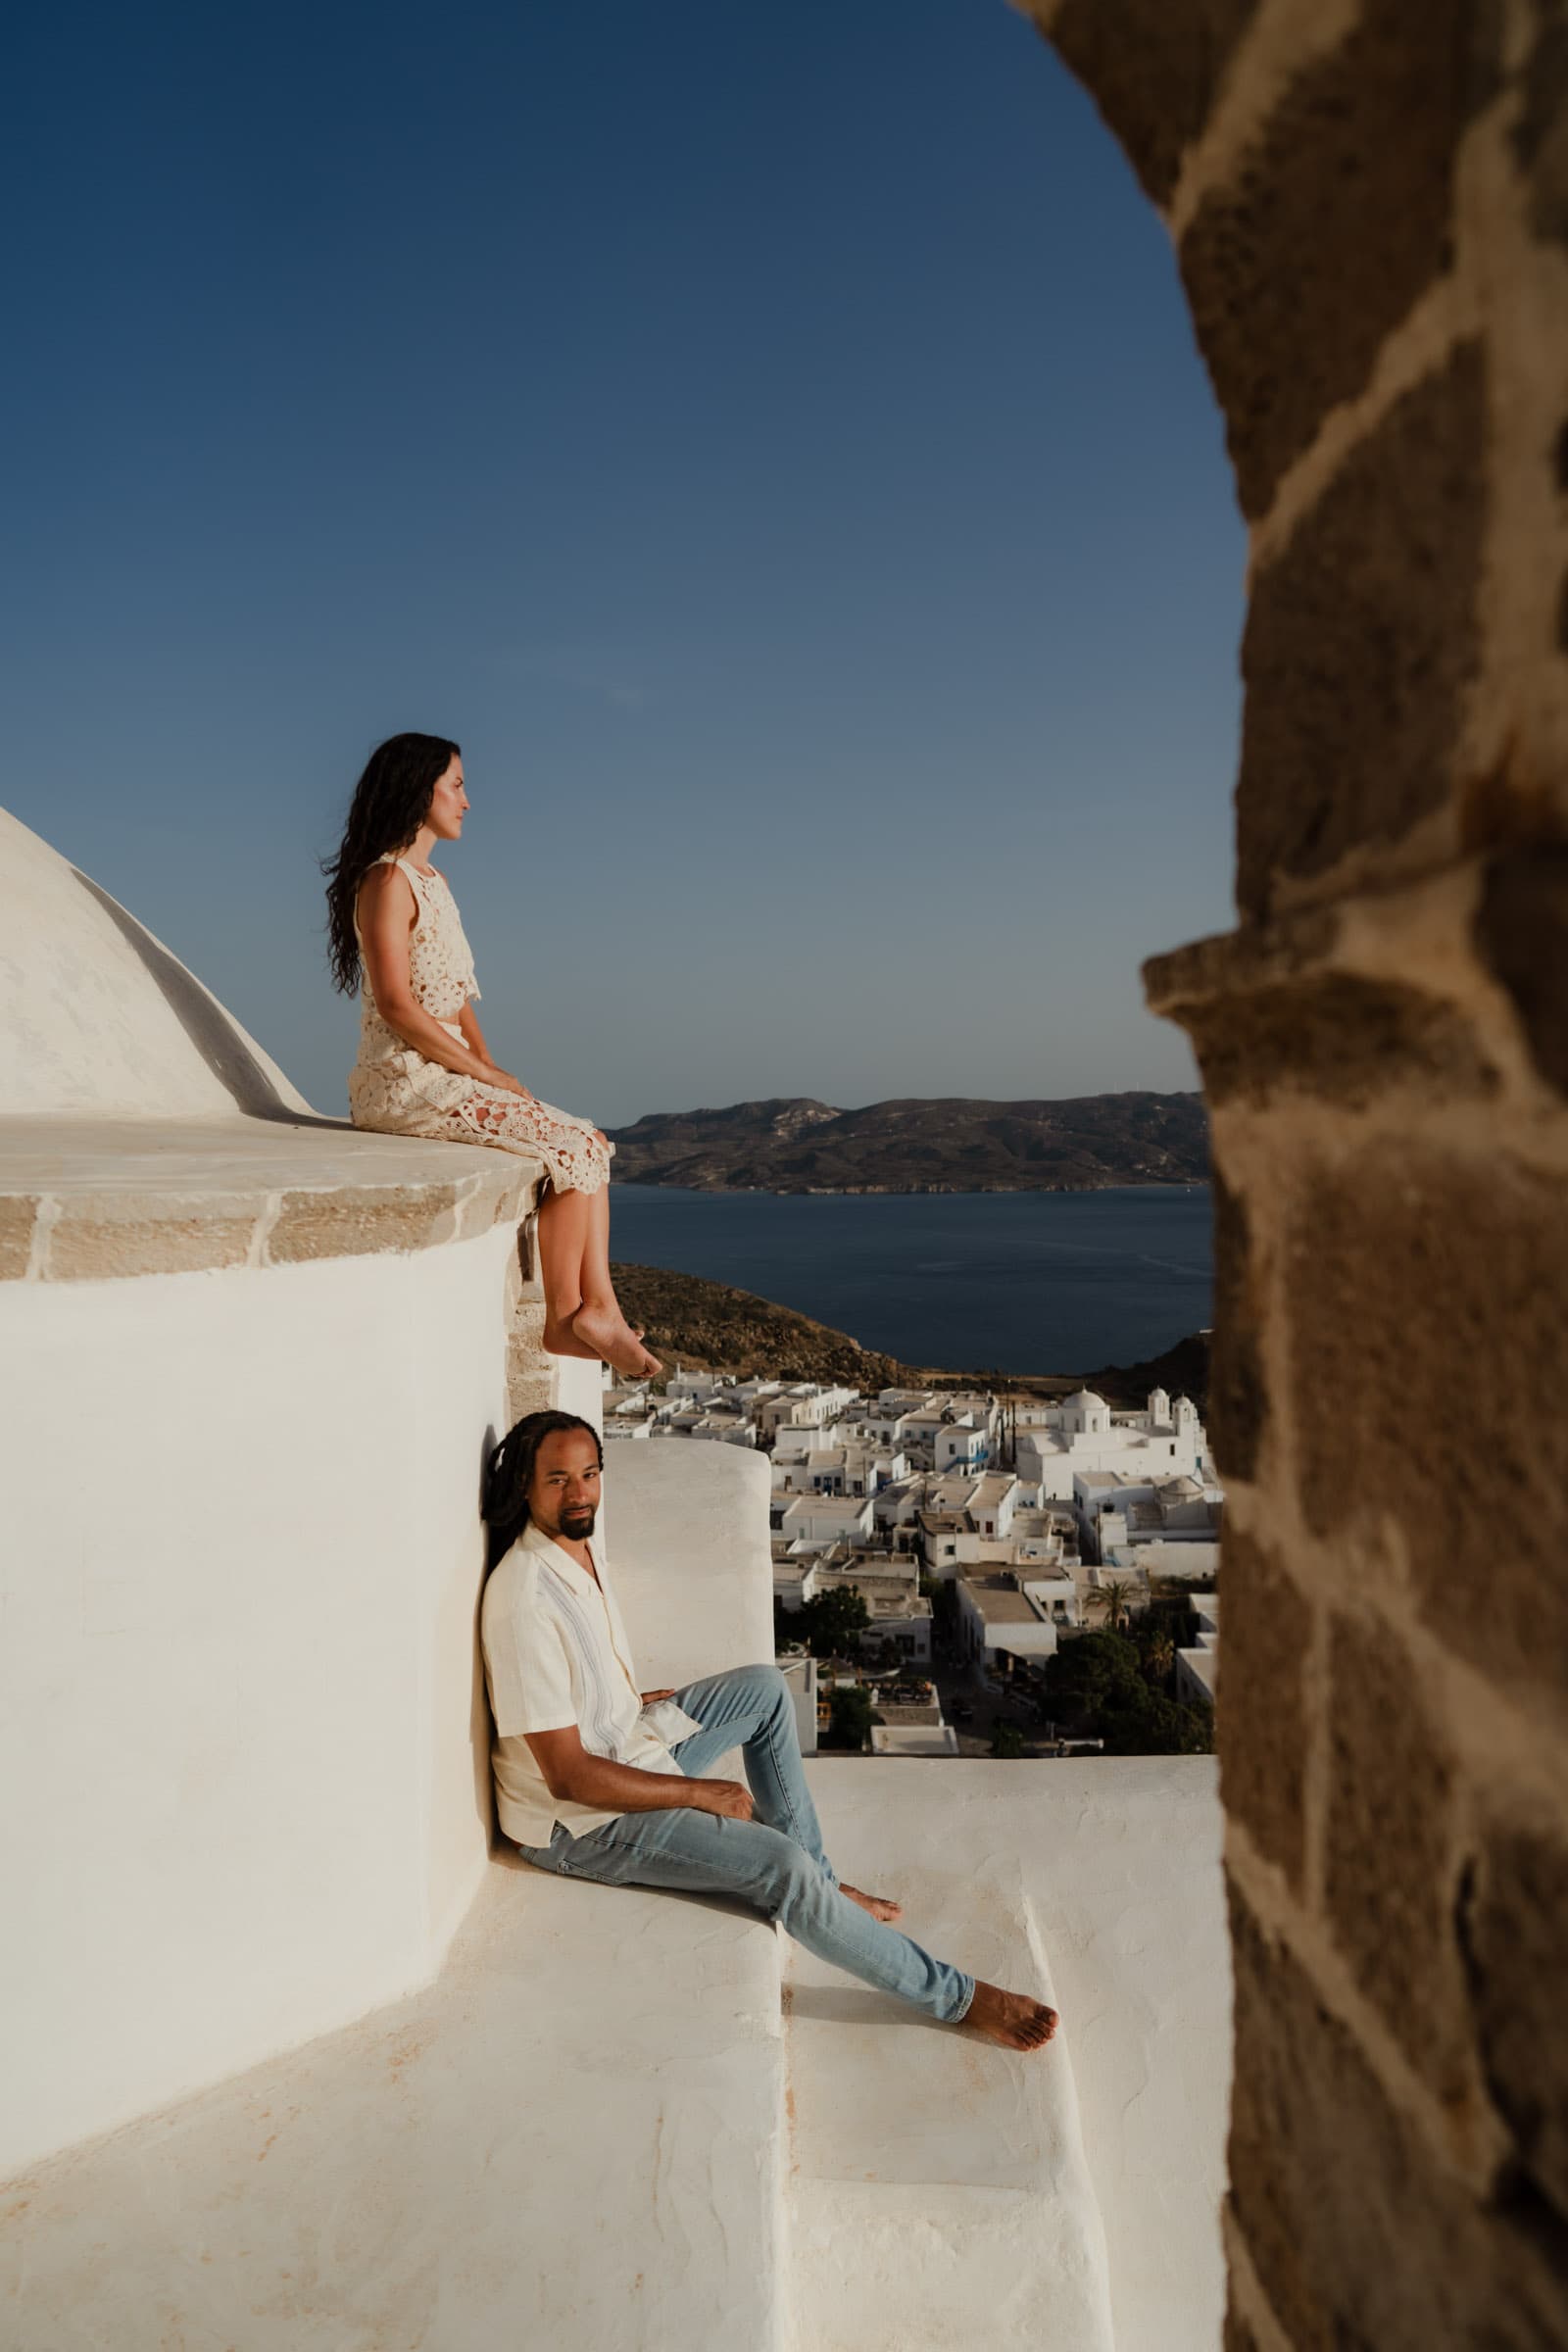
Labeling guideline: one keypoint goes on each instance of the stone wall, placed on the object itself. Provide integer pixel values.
(1369, 202)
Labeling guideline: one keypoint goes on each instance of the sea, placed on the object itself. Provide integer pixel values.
(1005, 1282)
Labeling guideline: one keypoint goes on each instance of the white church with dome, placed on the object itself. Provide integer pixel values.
(1055, 1442)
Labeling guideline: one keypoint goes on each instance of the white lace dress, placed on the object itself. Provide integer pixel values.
(399, 1091)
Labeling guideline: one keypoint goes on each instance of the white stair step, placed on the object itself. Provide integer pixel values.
(573, 2141)
(938, 2193)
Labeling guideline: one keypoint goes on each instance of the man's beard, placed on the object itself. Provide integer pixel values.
(578, 1525)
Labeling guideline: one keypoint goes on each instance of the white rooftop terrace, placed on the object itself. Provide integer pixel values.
(302, 2060)
(619, 2120)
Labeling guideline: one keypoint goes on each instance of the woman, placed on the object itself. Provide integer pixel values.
(424, 1067)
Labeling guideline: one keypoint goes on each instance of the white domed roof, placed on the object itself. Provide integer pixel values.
(96, 1015)
(1087, 1397)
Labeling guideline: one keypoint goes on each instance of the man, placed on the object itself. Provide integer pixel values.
(587, 1783)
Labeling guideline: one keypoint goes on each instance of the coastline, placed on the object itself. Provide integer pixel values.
(1009, 1282)
(715, 1327)
(908, 1192)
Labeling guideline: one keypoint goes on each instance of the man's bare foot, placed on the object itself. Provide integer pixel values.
(1014, 2021)
(610, 1336)
(879, 1905)
(559, 1339)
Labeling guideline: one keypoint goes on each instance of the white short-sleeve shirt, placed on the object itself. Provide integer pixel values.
(556, 1653)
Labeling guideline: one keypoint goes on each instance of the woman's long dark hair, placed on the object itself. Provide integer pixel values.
(391, 801)
(509, 1474)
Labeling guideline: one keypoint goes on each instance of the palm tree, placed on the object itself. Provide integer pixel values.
(1112, 1599)
(1159, 1657)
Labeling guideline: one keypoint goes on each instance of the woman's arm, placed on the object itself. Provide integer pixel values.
(388, 912)
(468, 1023)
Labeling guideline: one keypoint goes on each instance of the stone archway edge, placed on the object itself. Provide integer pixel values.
(89, 1199)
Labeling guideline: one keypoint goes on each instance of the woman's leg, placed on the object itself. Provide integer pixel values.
(563, 1236)
(598, 1290)
(582, 1314)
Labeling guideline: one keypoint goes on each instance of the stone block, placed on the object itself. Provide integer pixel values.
(1238, 1402)
(1361, 2239)
(18, 1217)
(1521, 932)
(1261, 1721)
(482, 1204)
(1515, 1933)
(1239, 2336)
(1541, 127)
(1428, 1365)
(1337, 1036)
(359, 1220)
(1391, 1864)
(1304, 260)
(1362, 643)
(1153, 72)
(527, 1324)
(111, 1237)
(530, 1377)
(1241, 962)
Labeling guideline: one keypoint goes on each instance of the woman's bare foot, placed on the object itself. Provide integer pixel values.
(880, 1906)
(609, 1336)
(559, 1339)
(1014, 2021)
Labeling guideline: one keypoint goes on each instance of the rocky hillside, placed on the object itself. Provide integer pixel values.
(949, 1145)
(711, 1327)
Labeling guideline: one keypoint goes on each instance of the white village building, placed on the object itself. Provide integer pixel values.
(1054, 1442)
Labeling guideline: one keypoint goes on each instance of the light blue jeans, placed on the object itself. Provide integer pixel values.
(773, 1862)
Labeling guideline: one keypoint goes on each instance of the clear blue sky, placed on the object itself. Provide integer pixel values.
(770, 440)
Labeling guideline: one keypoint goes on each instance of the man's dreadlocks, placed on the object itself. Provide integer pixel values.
(509, 1474)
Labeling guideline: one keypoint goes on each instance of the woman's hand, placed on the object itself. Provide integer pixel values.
(510, 1085)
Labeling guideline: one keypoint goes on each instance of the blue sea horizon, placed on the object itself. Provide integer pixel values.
(1011, 1282)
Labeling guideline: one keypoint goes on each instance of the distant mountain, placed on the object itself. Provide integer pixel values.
(709, 1326)
(948, 1145)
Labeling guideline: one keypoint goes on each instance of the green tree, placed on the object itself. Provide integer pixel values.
(1097, 1683)
(831, 1622)
(851, 1716)
(1006, 1738)
(1086, 1673)
(1157, 1726)
(788, 1630)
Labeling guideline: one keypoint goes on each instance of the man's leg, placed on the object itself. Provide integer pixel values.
(750, 1708)
(706, 1853)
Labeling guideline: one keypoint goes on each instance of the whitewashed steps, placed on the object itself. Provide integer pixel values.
(938, 2193)
(572, 2142)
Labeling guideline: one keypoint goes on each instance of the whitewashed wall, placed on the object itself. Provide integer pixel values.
(97, 1016)
(242, 1746)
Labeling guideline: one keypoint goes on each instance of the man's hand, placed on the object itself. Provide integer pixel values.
(723, 1797)
(649, 1697)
